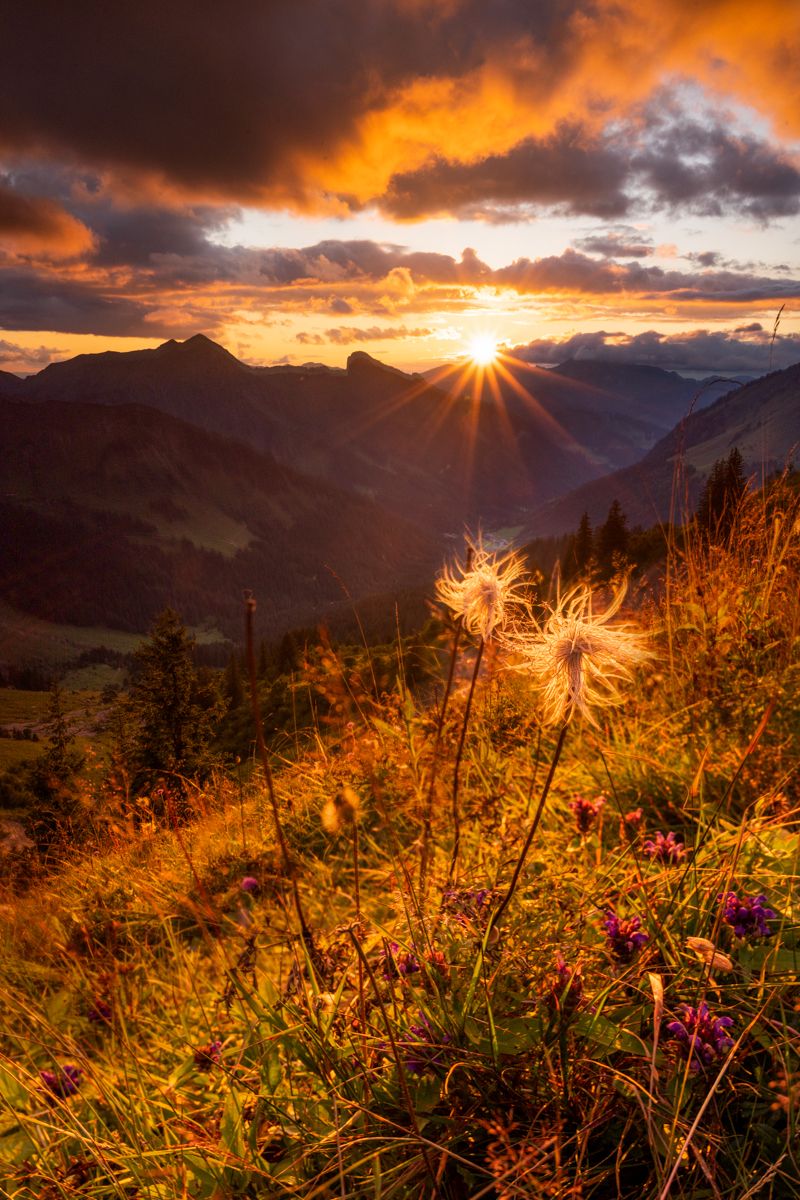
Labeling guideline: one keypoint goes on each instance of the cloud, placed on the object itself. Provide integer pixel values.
(24, 359)
(33, 225)
(701, 350)
(624, 243)
(344, 336)
(326, 108)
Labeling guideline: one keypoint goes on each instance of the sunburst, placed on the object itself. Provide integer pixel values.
(483, 349)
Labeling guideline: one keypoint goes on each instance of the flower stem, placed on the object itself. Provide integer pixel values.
(455, 805)
(537, 816)
(426, 834)
(250, 608)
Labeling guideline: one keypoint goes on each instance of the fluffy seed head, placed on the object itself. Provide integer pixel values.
(577, 659)
(482, 591)
(341, 810)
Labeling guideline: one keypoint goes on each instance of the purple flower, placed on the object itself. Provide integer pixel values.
(566, 988)
(99, 1012)
(665, 849)
(425, 1049)
(625, 935)
(586, 812)
(206, 1057)
(468, 906)
(397, 963)
(63, 1082)
(250, 885)
(747, 916)
(701, 1038)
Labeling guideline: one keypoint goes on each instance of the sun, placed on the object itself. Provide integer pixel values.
(483, 349)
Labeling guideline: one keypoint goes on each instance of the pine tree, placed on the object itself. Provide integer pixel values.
(172, 714)
(232, 684)
(584, 545)
(721, 496)
(612, 539)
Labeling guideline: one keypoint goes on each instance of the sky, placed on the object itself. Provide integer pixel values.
(301, 179)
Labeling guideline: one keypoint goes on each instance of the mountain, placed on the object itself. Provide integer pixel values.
(11, 385)
(438, 457)
(761, 418)
(107, 514)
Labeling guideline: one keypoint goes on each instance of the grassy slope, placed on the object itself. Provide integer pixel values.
(513, 1079)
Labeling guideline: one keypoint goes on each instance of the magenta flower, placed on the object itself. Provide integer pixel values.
(586, 812)
(565, 990)
(624, 935)
(701, 1038)
(63, 1082)
(747, 916)
(667, 849)
(397, 963)
(206, 1057)
(250, 885)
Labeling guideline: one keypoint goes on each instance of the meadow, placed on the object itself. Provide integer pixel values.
(530, 931)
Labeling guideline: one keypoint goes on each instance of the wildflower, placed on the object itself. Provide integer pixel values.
(341, 810)
(469, 906)
(63, 1082)
(577, 659)
(624, 935)
(437, 963)
(99, 1012)
(206, 1057)
(708, 953)
(398, 963)
(425, 1049)
(747, 916)
(565, 988)
(667, 849)
(481, 592)
(586, 812)
(701, 1038)
(250, 885)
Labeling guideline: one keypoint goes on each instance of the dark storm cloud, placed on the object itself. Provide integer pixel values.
(568, 169)
(31, 223)
(478, 107)
(707, 169)
(574, 272)
(34, 300)
(700, 350)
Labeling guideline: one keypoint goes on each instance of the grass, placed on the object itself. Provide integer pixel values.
(417, 1048)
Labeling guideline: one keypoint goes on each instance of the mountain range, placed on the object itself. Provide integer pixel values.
(182, 475)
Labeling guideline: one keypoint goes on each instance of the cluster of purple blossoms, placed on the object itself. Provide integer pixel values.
(397, 963)
(250, 885)
(586, 812)
(206, 1057)
(624, 935)
(99, 1012)
(469, 906)
(747, 916)
(701, 1038)
(565, 990)
(61, 1083)
(425, 1049)
(663, 849)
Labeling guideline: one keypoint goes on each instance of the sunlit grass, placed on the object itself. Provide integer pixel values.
(428, 1050)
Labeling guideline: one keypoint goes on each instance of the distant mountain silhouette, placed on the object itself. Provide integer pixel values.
(107, 514)
(761, 418)
(435, 457)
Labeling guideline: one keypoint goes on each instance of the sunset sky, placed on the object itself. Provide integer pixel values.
(299, 179)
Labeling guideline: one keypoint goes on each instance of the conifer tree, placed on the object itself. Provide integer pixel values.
(584, 545)
(171, 712)
(612, 539)
(233, 687)
(721, 495)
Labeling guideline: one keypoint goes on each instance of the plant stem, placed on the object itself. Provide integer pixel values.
(537, 816)
(250, 608)
(426, 834)
(459, 753)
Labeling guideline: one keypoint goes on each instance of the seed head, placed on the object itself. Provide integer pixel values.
(482, 591)
(577, 660)
(341, 810)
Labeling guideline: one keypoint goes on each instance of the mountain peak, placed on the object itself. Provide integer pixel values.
(197, 346)
(360, 362)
